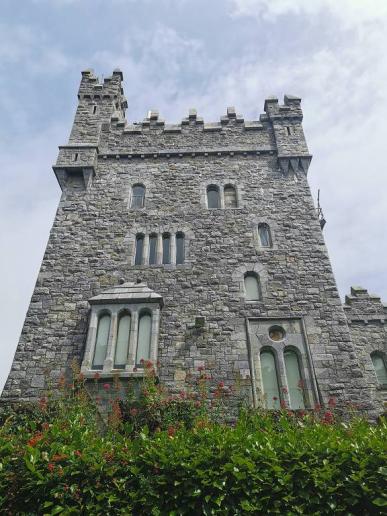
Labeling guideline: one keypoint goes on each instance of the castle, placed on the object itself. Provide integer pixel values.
(195, 246)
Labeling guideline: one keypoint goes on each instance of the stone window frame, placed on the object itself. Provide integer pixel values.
(115, 310)
(278, 348)
(173, 231)
(239, 277)
(138, 179)
(382, 355)
(221, 184)
(273, 228)
(131, 196)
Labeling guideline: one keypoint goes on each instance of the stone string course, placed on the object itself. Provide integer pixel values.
(91, 246)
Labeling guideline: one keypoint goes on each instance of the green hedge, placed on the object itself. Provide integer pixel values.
(277, 464)
(171, 455)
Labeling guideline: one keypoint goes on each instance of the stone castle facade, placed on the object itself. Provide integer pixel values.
(195, 245)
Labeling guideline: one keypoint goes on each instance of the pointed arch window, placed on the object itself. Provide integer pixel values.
(252, 286)
(101, 342)
(152, 249)
(294, 379)
(230, 197)
(269, 377)
(122, 344)
(180, 248)
(166, 248)
(138, 196)
(213, 197)
(264, 235)
(380, 367)
(144, 338)
(139, 249)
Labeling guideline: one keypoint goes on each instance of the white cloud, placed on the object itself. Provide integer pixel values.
(350, 12)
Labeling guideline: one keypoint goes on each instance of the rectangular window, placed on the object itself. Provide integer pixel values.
(166, 249)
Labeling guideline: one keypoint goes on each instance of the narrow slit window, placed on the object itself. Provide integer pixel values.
(76, 156)
(269, 380)
(252, 287)
(166, 248)
(101, 342)
(288, 130)
(122, 345)
(144, 339)
(180, 248)
(294, 380)
(264, 235)
(94, 110)
(230, 197)
(139, 249)
(138, 196)
(152, 249)
(380, 368)
(213, 198)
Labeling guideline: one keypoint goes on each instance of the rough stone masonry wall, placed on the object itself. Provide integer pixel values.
(367, 320)
(91, 247)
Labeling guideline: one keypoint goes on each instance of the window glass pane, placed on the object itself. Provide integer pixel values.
(166, 249)
(264, 235)
(293, 376)
(269, 380)
(230, 200)
(179, 248)
(122, 345)
(213, 200)
(251, 287)
(101, 341)
(380, 369)
(138, 194)
(144, 338)
(139, 250)
(152, 249)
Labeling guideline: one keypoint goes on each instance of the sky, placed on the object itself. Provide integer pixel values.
(203, 54)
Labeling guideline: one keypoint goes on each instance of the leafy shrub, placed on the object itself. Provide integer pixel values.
(56, 460)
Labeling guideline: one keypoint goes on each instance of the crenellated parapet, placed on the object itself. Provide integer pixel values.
(360, 306)
(101, 131)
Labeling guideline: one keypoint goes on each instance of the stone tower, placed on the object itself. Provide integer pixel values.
(194, 245)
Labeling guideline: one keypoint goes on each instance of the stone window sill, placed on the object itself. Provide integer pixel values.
(93, 374)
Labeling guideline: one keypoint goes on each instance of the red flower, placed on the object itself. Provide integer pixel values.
(328, 417)
(35, 439)
(58, 457)
(284, 390)
(43, 403)
(275, 398)
(78, 453)
(51, 467)
(200, 368)
(45, 426)
(317, 407)
(197, 404)
(282, 404)
(142, 361)
(171, 431)
(332, 402)
(97, 376)
(106, 386)
(221, 385)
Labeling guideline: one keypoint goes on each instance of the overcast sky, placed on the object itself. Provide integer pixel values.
(207, 54)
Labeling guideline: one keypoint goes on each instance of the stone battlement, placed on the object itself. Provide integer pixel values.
(360, 306)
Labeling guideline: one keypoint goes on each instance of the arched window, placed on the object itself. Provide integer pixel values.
(166, 248)
(152, 249)
(144, 338)
(230, 198)
(101, 341)
(294, 380)
(213, 198)
(122, 344)
(138, 196)
(270, 380)
(380, 368)
(264, 235)
(180, 248)
(139, 249)
(252, 287)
